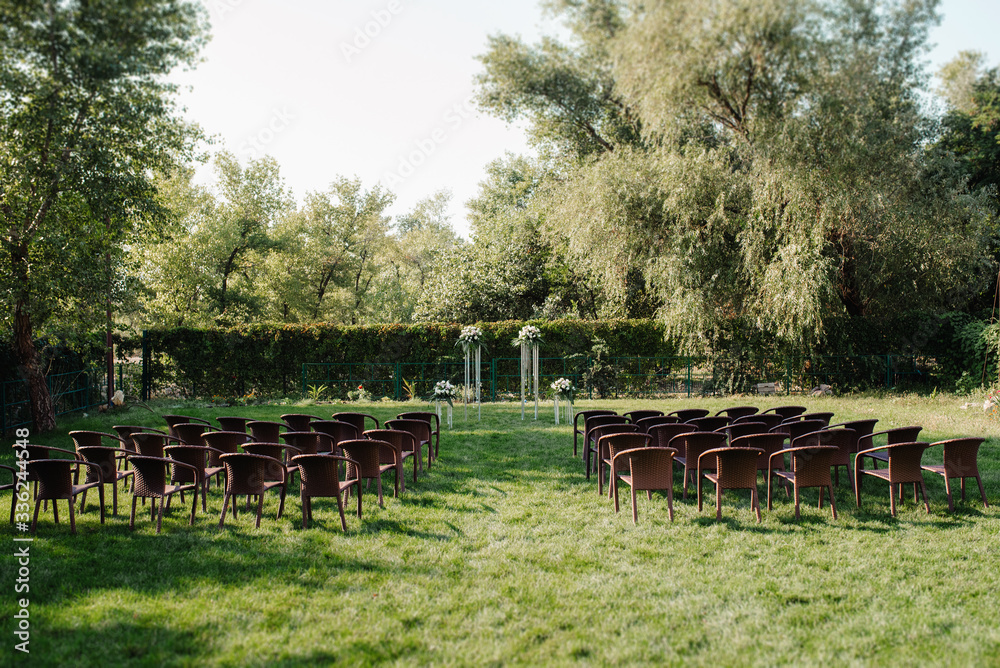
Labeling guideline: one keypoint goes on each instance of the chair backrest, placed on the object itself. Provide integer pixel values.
(800, 428)
(736, 430)
(226, 441)
(125, 432)
(337, 431)
(192, 455)
(811, 465)
(265, 431)
(845, 440)
(366, 453)
(648, 423)
(767, 443)
(308, 442)
(274, 451)
(319, 475)
(171, 420)
(736, 468)
(421, 430)
(601, 420)
(662, 433)
(691, 445)
(904, 462)
(961, 456)
(190, 432)
(426, 416)
(636, 415)
(685, 414)
(786, 411)
(892, 436)
(233, 422)
(104, 457)
(149, 444)
(54, 476)
(738, 411)
(825, 417)
(859, 427)
(770, 419)
(589, 413)
(708, 423)
(398, 439)
(651, 468)
(247, 473)
(357, 419)
(83, 439)
(149, 478)
(298, 421)
(595, 434)
(611, 444)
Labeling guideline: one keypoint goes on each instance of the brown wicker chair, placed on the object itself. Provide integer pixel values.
(810, 467)
(281, 452)
(734, 431)
(860, 428)
(845, 440)
(893, 436)
(171, 420)
(769, 443)
(233, 422)
(732, 468)
(904, 467)
(770, 419)
(365, 454)
(337, 431)
(598, 420)
(222, 443)
(610, 445)
(690, 446)
(687, 414)
(308, 442)
(195, 469)
(42, 452)
(320, 477)
(785, 411)
(55, 481)
(585, 415)
(636, 415)
(266, 431)
(358, 420)
(648, 469)
(960, 460)
(150, 482)
(107, 459)
(594, 435)
(645, 424)
(709, 423)
(793, 428)
(247, 474)
(430, 417)
(151, 444)
(400, 449)
(734, 412)
(662, 433)
(299, 421)
(824, 417)
(421, 432)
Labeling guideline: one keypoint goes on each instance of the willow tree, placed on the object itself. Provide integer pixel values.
(87, 115)
(784, 178)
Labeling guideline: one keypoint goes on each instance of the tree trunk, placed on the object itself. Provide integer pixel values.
(43, 411)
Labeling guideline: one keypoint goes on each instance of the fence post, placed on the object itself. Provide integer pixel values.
(493, 377)
(399, 381)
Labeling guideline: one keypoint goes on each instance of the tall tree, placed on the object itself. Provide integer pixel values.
(87, 115)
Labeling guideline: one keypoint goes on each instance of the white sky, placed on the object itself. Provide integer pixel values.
(302, 81)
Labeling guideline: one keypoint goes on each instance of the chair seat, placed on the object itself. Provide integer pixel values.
(880, 456)
(878, 473)
(933, 468)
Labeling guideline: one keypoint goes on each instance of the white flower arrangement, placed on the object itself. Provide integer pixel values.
(564, 389)
(471, 335)
(528, 334)
(444, 391)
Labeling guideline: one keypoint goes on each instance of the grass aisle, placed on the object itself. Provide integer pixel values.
(505, 553)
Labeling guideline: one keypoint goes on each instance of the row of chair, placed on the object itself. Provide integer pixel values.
(731, 451)
(192, 451)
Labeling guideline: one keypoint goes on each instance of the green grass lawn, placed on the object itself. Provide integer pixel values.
(505, 553)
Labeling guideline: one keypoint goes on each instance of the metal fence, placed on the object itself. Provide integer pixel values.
(73, 391)
(612, 377)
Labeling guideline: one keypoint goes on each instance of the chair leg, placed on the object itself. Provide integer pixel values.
(378, 485)
(100, 496)
(614, 491)
(947, 491)
(718, 502)
(670, 503)
(635, 510)
(340, 509)
(962, 482)
(797, 499)
(281, 505)
(194, 503)
(225, 505)
(260, 509)
(923, 492)
(55, 510)
(72, 518)
(769, 506)
(892, 499)
(159, 517)
(982, 492)
(114, 499)
(833, 503)
(358, 483)
(131, 519)
(756, 502)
